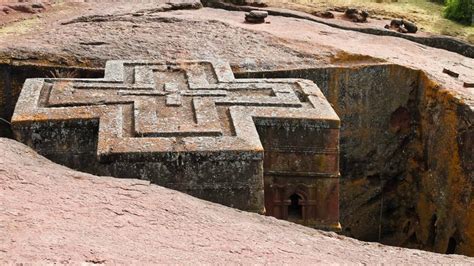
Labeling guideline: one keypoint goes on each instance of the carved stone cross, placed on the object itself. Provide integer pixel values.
(192, 126)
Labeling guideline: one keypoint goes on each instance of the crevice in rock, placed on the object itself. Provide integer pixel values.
(432, 230)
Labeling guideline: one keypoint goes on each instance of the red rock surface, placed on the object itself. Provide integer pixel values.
(127, 31)
(13, 11)
(51, 214)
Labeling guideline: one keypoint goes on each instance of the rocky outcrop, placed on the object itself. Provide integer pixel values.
(51, 214)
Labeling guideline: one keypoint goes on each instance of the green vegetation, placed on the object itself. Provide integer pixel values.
(460, 11)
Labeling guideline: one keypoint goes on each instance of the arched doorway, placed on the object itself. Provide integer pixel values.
(295, 209)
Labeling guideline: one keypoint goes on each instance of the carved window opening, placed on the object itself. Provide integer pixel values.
(295, 209)
(452, 244)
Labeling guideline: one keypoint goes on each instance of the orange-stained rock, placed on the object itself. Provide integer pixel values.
(191, 126)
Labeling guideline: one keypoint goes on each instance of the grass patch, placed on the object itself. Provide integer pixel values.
(19, 27)
(429, 16)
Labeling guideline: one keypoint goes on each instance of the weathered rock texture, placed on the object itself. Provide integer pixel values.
(345, 66)
(193, 127)
(438, 41)
(406, 156)
(51, 214)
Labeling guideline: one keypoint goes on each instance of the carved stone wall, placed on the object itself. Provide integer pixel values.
(193, 127)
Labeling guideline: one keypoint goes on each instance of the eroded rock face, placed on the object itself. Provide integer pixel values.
(406, 156)
(443, 172)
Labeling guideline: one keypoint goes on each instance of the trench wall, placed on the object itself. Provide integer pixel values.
(443, 174)
(12, 77)
(406, 156)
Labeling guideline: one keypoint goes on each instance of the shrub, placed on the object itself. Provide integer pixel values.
(460, 11)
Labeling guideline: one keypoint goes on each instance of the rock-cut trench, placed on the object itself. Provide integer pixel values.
(406, 150)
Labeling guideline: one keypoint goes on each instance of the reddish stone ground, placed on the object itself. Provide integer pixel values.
(130, 31)
(14, 11)
(51, 214)
(87, 229)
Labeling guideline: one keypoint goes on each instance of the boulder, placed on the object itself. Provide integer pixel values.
(256, 16)
(396, 23)
(410, 26)
(355, 15)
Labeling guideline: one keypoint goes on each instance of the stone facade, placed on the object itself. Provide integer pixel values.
(253, 144)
